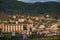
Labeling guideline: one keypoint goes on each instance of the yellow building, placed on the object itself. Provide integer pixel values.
(15, 27)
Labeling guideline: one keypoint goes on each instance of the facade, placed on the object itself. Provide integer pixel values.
(15, 27)
(12, 27)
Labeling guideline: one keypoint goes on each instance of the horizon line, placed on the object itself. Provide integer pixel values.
(40, 2)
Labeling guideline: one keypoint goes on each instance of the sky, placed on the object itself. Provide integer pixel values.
(32, 1)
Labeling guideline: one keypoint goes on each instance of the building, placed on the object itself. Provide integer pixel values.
(14, 27)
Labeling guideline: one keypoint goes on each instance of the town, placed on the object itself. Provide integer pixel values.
(29, 24)
(29, 19)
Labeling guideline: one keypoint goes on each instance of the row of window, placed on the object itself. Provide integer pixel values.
(10, 28)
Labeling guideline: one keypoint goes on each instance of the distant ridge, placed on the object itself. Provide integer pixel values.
(29, 8)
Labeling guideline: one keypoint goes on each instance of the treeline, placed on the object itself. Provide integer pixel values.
(14, 6)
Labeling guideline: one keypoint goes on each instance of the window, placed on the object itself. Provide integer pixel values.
(0, 30)
(24, 27)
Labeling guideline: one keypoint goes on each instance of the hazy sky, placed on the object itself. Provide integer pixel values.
(38, 0)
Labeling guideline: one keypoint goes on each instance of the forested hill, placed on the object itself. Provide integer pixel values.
(14, 6)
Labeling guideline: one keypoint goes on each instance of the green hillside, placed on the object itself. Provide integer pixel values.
(14, 6)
